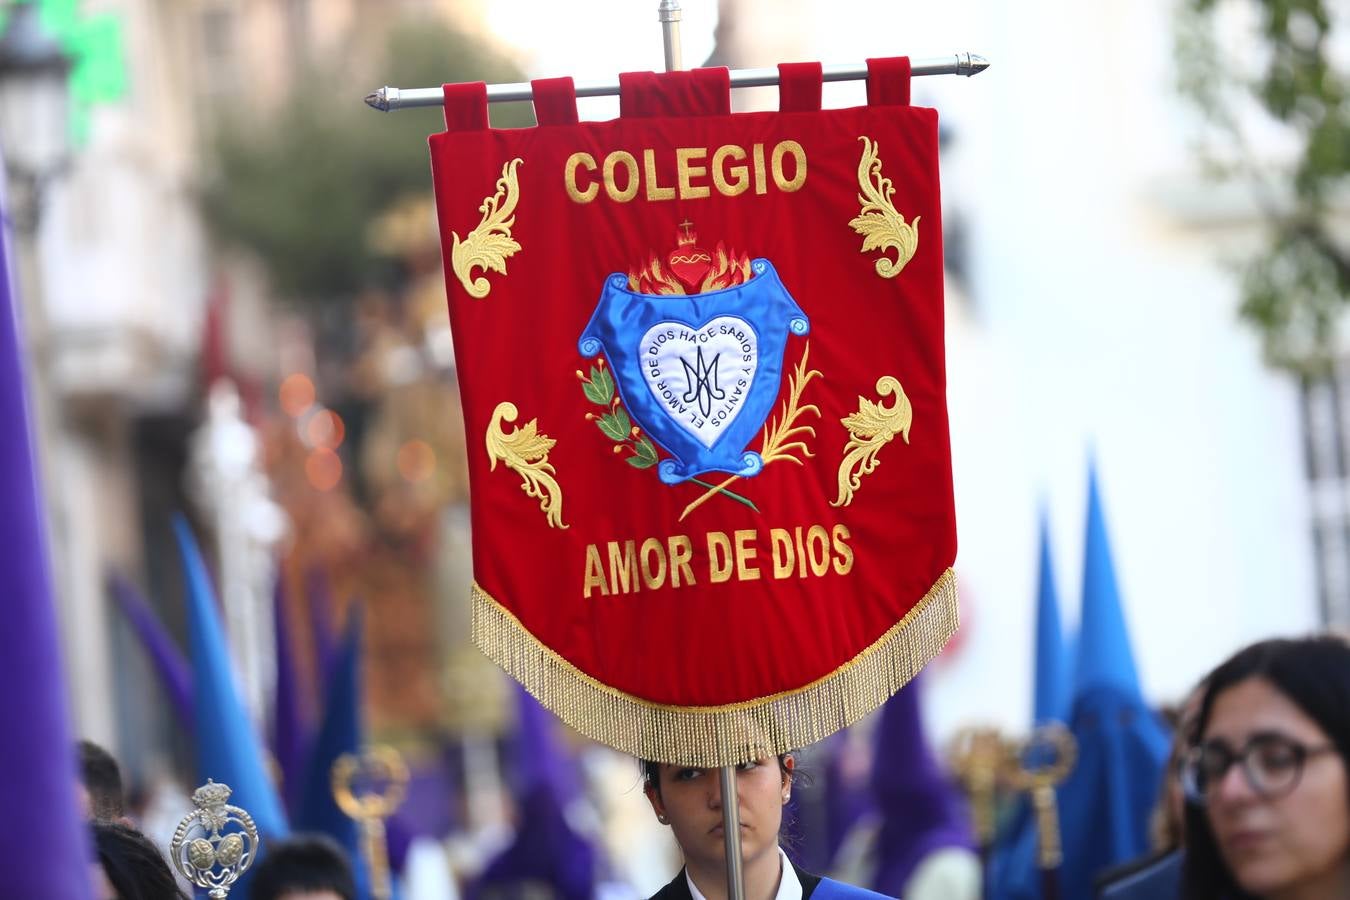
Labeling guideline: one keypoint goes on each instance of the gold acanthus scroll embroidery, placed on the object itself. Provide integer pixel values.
(880, 225)
(871, 428)
(490, 245)
(525, 451)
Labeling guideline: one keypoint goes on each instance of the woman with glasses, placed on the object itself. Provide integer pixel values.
(1269, 813)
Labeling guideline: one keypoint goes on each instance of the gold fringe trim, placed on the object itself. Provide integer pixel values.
(715, 736)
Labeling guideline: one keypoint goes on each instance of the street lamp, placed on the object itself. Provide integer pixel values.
(34, 111)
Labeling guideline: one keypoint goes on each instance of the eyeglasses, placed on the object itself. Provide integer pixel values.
(1271, 762)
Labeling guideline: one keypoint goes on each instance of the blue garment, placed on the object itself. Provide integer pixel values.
(829, 889)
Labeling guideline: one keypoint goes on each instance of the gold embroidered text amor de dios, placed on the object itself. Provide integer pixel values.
(490, 245)
(746, 554)
(871, 428)
(525, 451)
(880, 225)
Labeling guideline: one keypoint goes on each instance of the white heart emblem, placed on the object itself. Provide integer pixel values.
(701, 376)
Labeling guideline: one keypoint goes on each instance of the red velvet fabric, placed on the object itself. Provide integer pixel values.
(555, 101)
(755, 634)
(698, 92)
(799, 86)
(466, 106)
(888, 81)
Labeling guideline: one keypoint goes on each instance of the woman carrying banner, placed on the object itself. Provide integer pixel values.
(1270, 813)
(689, 800)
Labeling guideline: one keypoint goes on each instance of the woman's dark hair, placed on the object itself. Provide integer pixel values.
(134, 866)
(102, 778)
(1314, 673)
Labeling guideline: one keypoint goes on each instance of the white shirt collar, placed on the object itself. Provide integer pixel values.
(789, 887)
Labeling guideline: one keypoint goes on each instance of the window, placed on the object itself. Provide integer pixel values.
(1326, 417)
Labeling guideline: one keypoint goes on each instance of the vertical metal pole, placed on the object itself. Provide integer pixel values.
(669, 14)
(731, 833)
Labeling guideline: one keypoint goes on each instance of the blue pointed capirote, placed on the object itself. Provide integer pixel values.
(340, 732)
(291, 728)
(1104, 655)
(229, 748)
(1052, 681)
(1015, 844)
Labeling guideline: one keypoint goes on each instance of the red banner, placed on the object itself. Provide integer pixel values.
(702, 367)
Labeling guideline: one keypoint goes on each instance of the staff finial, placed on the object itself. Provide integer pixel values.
(368, 787)
(214, 859)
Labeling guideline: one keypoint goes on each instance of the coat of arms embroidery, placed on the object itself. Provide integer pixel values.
(698, 372)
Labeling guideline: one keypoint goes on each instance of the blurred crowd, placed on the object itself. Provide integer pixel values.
(1250, 801)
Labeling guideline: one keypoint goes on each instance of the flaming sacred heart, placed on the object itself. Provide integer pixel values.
(689, 263)
(701, 376)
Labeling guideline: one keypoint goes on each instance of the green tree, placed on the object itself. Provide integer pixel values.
(1295, 288)
(302, 189)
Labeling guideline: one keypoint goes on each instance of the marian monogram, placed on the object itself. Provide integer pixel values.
(702, 377)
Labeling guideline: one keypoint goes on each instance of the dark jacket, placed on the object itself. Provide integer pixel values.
(1158, 878)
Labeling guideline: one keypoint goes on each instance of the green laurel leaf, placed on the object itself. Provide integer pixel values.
(599, 387)
(594, 393)
(646, 454)
(605, 381)
(612, 426)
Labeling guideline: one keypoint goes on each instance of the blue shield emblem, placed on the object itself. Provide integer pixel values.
(699, 373)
